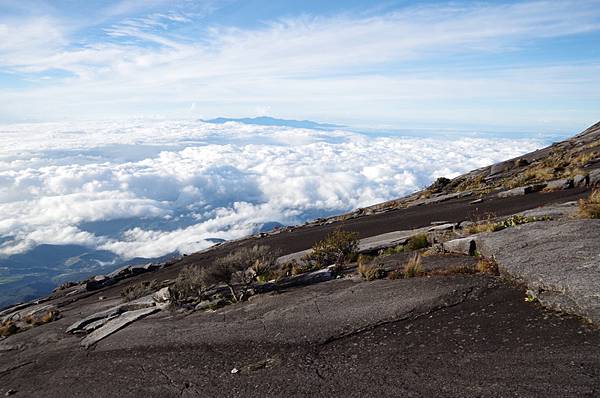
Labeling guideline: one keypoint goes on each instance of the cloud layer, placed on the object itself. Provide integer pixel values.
(143, 188)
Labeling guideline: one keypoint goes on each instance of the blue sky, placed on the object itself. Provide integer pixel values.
(499, 66)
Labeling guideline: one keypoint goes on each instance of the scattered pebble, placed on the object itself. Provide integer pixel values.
(10, 392)
(234, 371)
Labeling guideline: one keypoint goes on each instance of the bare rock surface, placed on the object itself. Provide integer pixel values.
(116, 324)
(558, 260)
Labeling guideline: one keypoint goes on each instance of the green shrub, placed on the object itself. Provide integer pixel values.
(339, 248)
(417, 242)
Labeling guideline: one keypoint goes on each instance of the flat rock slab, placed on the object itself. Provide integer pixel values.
(558, 260)
(116, 324)
(389, 239)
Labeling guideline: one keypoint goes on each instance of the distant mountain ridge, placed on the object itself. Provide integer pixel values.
(270, 121)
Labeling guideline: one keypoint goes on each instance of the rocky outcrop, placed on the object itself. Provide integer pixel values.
(558, 261)
(116, 324)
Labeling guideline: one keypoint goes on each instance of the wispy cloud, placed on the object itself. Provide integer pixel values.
(422, 59)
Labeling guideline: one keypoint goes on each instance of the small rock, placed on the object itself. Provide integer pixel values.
(581, 180)
(10, 392)
(462, 246)
(476, 201)
(102, 298)
(594, 178)
(162, 296)
(234, 371)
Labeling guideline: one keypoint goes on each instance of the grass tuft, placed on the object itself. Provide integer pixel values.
(413, 267)
(590, 207)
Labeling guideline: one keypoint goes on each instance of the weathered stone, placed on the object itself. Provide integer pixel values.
(98, 282)
(465, 224)
(558, 259)
(594, 178)
(111, 312)
(442, 227)
(499, 168)
(556, 185)
(466, 246)
(581, 180)
(162, 296)
(390, 239)
(522, 190)
(473, 202)
(115, 325)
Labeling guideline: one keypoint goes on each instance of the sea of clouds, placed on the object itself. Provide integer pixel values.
(148, 188)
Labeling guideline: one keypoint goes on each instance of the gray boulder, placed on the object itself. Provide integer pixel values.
(594, 178)
(466, 246)
(557, 185)
(581, 180)
(522, 190)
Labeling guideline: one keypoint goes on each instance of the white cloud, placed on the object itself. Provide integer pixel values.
(185, 182)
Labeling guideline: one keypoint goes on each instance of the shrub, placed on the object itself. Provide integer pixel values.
(189, 283)
(369, 270)
(413, 267)
(137, 290)
(590, 207)
(439, 184)
(339, 248)
(239, 269)
(417, 242)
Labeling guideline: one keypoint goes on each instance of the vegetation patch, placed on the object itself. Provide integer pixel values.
(590, 207)
(487, 266)
(512, 221)
(413, 267)
(237, 271)
(141, 289)
(339, 248)
(370, 269)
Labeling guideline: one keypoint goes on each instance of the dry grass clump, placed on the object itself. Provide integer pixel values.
(459, 269)
(413, 267)
(8, 328)
(141, 289)
(369, 269)
(395, 274)
(590, 207)
(47, 317)
(487, 266)
(339, 248)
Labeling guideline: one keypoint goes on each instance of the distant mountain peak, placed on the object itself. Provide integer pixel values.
(271, 121)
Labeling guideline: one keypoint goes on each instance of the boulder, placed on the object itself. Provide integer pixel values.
(558, 185)
(499, 168)
(522, 190)
(594, 178)
(466, 246)
(581, 180)
(163, 296)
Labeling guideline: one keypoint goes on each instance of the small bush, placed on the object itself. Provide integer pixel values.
(590, 207)
(141, 289)
(460, 269)
(339, 248)
(236, 270)
(417, 242)
(413, 267)
(370, 270)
